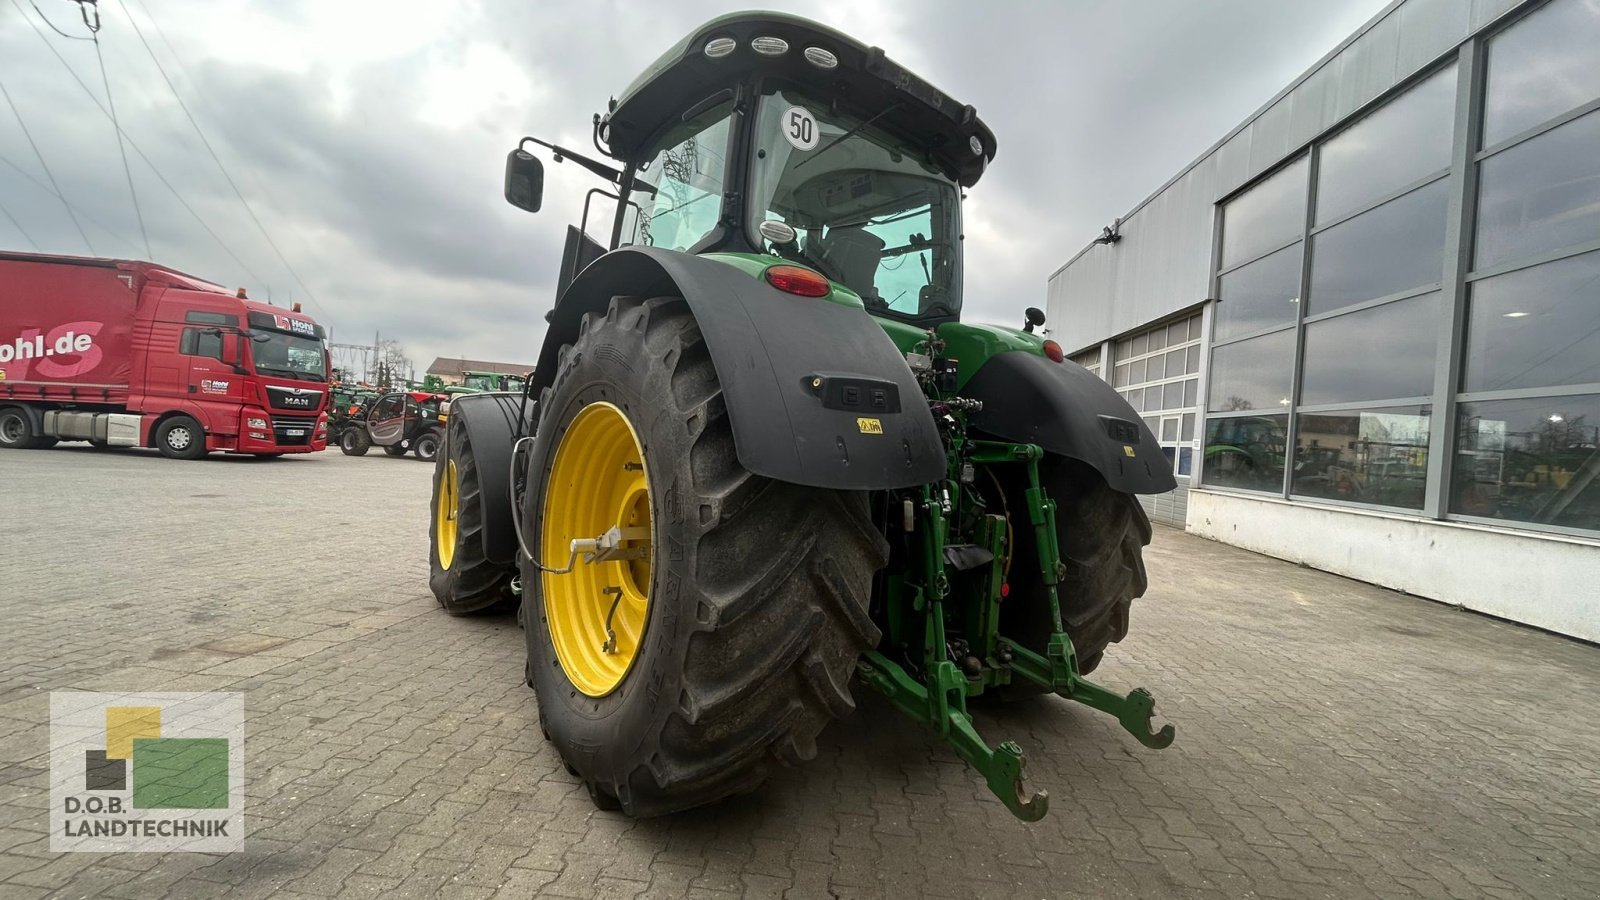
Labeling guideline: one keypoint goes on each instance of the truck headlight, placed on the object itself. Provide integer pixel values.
(255, 422)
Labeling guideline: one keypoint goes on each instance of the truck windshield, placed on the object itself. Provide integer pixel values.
(289, 356)
(868, 212)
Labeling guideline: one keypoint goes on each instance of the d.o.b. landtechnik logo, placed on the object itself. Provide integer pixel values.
(146, 772)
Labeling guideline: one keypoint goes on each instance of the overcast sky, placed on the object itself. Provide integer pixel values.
(369, 137)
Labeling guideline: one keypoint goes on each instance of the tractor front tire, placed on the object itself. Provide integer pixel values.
(756, 611)
(1102, 534)
(355, 442)
(462, 578)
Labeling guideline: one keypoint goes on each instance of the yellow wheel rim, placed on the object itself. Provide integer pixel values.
(597, 482)
(445, 517)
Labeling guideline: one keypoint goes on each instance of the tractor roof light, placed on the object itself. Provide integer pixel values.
(798, 280)
(1053, 351)
(717, 48)
(822, 59)
(770, 46)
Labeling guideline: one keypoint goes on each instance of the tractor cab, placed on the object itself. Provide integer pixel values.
(771, 136)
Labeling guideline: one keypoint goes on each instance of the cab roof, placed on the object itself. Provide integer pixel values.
(684, 76)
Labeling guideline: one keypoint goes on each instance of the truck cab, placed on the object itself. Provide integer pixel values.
(156, 358)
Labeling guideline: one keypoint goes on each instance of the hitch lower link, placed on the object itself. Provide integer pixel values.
(939, 696)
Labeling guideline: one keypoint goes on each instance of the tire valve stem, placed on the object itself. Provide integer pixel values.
(610, 645)
(632, 467)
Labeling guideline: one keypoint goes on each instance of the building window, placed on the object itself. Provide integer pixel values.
(1158, 372)
(1376, 456)
(1541, 67)
(1089, 359)
(1354, 293)
(1527, 441)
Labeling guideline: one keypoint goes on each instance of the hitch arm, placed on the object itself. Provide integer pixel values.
(1001, 766)
(1134, 711)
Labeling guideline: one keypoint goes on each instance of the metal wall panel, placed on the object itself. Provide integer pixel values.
(1163, 262)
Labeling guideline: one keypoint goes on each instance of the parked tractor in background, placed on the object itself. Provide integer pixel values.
(482, 382)
(400, 422)
(762, 458)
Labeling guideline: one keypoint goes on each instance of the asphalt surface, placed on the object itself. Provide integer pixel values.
(1334, 739)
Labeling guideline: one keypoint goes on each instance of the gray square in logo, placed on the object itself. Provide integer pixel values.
(101, 774)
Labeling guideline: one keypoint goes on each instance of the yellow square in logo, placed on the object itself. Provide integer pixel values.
(870, 426)
(124, 724)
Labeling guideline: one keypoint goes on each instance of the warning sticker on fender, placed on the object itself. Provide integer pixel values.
(870, 426)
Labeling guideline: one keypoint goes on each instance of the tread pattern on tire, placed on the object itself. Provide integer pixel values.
(473, 583)
(777, 608)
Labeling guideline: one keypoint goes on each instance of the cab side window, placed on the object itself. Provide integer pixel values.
(687, 174)
(201, 342)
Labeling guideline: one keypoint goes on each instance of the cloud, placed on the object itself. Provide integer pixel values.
(369, 136)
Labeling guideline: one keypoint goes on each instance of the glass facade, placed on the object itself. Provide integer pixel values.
(1341, 279)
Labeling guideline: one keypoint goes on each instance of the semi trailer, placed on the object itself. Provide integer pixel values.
(122, 353)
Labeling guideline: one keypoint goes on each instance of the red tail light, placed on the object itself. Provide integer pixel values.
(1053, 350)
(798, 280)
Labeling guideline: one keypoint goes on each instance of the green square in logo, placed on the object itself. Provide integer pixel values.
(180, 773)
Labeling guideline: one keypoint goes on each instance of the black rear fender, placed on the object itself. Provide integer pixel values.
(816, 392)
(1068, 411)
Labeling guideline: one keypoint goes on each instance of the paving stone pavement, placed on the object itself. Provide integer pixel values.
(1334, 739)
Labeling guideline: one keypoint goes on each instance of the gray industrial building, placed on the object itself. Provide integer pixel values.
(1365, 325)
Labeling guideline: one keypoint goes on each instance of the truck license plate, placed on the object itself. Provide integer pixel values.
(295, 432)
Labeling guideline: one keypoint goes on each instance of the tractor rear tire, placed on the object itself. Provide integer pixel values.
(355, 442)
(471, 583)
(1102, 534)
(757, 591)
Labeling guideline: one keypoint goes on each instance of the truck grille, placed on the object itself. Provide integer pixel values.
(282, 425)
(294, 398)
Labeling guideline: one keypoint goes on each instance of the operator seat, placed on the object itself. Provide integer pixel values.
(854, 253)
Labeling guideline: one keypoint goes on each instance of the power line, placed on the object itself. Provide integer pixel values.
(127, 173)
(52, 25)
(81, 213)
(144, 156)
(18, 113)
(211, 150)
(13, 219)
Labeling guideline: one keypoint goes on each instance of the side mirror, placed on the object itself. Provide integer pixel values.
(1035, 317)
(524, 180)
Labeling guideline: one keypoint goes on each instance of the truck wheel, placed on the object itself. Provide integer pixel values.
(1102, 533)
(354, 442)
(427, 446)
(462, 579)
(16, 430)
(394, 450)
(684, 674)
(181, 437)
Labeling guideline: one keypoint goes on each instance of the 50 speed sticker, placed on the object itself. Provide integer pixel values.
(800, 128)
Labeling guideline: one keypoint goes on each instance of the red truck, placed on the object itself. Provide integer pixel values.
(132, 354)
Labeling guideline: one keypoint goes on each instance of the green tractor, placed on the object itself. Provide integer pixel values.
(483, 382)
(762, 461)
